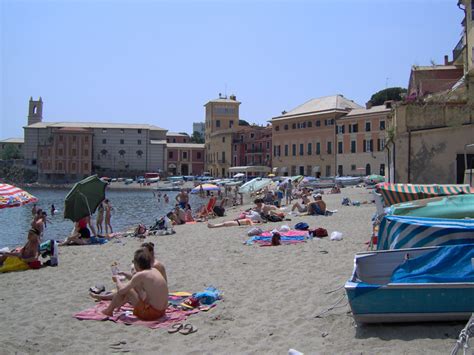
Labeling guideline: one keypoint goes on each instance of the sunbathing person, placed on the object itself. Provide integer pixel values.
(29, 253)
(81, 233)
(147, 290)
(177, 216)
(156, 265)
(267, 210)
(318, 206)
(247, 218)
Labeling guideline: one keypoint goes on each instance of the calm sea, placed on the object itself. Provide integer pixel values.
(129, 209)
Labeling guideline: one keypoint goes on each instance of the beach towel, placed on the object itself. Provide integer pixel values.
(14, 263)
(290, 237)
(125, 315)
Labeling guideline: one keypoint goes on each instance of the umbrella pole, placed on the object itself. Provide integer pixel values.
(87, 202)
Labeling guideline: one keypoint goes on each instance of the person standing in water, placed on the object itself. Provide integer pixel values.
(108, 216)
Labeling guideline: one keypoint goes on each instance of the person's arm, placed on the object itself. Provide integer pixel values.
(127, 275)
(124, 288)
(177, 197)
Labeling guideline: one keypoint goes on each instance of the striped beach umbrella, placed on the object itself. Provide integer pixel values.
(205, 187)
(12, 196)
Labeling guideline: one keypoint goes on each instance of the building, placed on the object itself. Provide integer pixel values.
(199, 127)
(304, 138)
(428, 138)
(12, 146)
(66, 151)
(360, 140)
(222, 121)
(252, 146)
(185, 159)
(173, 137)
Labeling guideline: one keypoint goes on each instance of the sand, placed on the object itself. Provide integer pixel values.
(271, 295)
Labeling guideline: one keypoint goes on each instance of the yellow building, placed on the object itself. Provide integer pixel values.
(222, 120)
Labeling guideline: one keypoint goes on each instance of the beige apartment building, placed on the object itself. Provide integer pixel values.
(116, 149)
(360, 139)
(304, 138)
(222, 120)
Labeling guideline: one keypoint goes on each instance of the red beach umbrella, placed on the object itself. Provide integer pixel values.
(12, 196)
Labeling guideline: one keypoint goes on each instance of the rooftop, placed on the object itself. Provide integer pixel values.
(168, 134)
(366, 111)
(436, 67)
(321, 105)
(13, 140)
(95, 125)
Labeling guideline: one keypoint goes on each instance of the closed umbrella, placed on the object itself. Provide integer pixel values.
(205, 187)
(84, 198)
(12, 196)
(255, 185)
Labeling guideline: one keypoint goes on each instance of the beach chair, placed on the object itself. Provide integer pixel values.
(208, 211)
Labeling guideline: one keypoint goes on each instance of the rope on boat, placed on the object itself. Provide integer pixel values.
(336, 289)
(334, 306)
(463, 340)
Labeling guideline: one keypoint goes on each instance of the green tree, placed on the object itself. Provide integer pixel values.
(197, 137)
(243, 123)
(11, 152)
(387, 94)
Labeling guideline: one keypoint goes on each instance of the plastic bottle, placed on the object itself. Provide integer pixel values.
(114, 268)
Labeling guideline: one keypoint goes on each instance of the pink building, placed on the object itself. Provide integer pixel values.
(185, 159)
(252, 145)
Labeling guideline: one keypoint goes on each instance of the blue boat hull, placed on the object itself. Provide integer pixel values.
(410, 302)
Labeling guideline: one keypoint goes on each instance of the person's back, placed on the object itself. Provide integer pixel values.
(154, 287)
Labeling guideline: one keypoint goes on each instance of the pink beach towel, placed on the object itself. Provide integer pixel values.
(125, 316)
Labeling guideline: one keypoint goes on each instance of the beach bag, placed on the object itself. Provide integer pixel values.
(320, 232)
(219, 211)
(302, 226)
(336, 235)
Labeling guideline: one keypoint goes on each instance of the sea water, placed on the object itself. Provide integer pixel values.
(130, 208)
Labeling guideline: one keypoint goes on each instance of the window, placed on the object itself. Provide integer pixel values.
(285, 127)
(293, 150)
(139, 142)
(198, 155)
(121, 153)
(293, 126)
(286, 150)
(122, 141)
(185, 155)
(339, 170)
(73, 138)
(353, 147)
(252, 135)
(277, 128)
(339, 148)
(318, 148)
(382, 125)
(353, 128)
(340, 129)
(73, 153)
(328, 170)
(139, 153)
(301, 149)
(310, 124)
(329, 145)
(104, 141)
(268, 145)
(231, 124)
(253, 148)
(353, 167)
(279, 150)
(318, 123)
(122, 130)
(73, 166)
(223, 139)
(170, 155)
(310, 148)
(223, 157)
(174, 140)
(139, 131)
(218, 123)
(303, 125)
(86, 152)
(274, 150)
(382, 169)
(104, 130)
(367, 126)
(368, 145)
(60, 138)
(60, 152)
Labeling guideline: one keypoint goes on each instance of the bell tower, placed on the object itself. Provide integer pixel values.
(35, 111)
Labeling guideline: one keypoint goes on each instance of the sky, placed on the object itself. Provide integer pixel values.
(158, 62)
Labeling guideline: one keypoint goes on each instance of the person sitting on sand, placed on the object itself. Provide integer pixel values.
(177, 216)
(188, 214)
(302, 207)
(27, 254)
(156, 264)
(147, 290)
(336, 189)
(81, 233)
(266, 210)
(318, 206)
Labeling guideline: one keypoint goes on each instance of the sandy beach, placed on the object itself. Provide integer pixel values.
(271, 295)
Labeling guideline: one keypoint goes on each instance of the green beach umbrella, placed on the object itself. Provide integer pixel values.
(255, 185)
(84, 198)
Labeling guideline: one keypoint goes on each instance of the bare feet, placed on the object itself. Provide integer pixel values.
(108, 312)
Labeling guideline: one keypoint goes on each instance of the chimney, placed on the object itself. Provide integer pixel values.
(233, 97)
(368, 105)
(446, 60)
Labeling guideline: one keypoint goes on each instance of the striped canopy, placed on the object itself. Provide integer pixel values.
(397, 193)
(12, 196)
(397, 232)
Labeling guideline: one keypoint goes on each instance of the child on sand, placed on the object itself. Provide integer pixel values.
(147, 291)
(108, 216)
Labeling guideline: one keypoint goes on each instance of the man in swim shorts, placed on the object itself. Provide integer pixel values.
(147, 291)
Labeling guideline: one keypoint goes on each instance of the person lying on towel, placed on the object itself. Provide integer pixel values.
(147, 291)
(27, 256)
